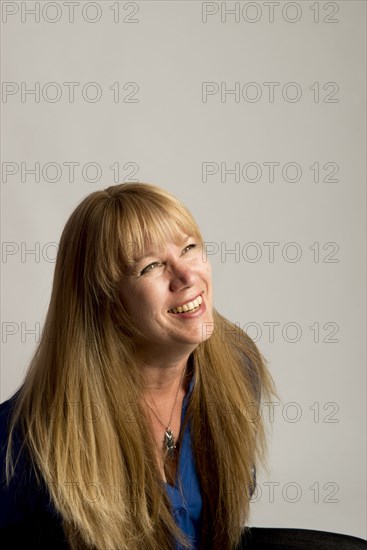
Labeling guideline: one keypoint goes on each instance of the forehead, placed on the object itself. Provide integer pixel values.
(147, 230)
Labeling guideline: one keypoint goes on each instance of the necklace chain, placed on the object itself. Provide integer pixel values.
(169, 442)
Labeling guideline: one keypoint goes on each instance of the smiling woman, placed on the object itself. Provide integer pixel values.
(137, 426)
(170, 299)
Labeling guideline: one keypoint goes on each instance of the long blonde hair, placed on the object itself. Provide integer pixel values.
(79, 407)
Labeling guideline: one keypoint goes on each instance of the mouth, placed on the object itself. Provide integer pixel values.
(188, 307)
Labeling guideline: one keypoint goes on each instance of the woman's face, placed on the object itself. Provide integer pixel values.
(168, 295)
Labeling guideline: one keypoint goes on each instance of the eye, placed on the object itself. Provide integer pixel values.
(149, 267)
(188, 247)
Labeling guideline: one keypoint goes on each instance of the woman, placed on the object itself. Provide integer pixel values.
(138, 423)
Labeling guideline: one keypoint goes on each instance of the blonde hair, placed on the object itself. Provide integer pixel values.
(79, 406)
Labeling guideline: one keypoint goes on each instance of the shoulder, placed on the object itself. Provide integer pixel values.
(249, 359)
(6, 411)
(7, 406)
(26, 513)
(13, 494)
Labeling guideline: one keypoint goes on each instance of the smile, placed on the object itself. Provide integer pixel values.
(189, 307)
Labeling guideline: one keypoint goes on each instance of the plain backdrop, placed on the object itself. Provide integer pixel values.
(253, 114)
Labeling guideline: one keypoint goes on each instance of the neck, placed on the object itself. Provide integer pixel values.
(162, 379)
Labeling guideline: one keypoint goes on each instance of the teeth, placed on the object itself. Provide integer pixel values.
(190, 306)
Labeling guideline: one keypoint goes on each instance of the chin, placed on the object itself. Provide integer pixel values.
(202, 336)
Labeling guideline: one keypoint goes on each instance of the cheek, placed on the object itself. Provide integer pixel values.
(207, 272)
(133, 303)
(150, 300)
(138, 309)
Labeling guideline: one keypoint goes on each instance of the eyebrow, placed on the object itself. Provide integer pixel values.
(147, 255)
(154, 253)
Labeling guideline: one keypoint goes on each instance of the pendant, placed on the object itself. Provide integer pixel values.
(169, 443)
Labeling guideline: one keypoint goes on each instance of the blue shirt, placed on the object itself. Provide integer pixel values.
(187, 508)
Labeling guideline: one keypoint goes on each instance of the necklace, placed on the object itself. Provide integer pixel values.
(169, 442)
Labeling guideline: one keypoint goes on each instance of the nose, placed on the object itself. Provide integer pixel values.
(181, 277)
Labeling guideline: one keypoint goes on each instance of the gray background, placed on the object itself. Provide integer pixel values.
(171, 133)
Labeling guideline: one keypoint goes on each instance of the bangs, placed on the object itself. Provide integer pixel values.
(147, 225)
(111, 230)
